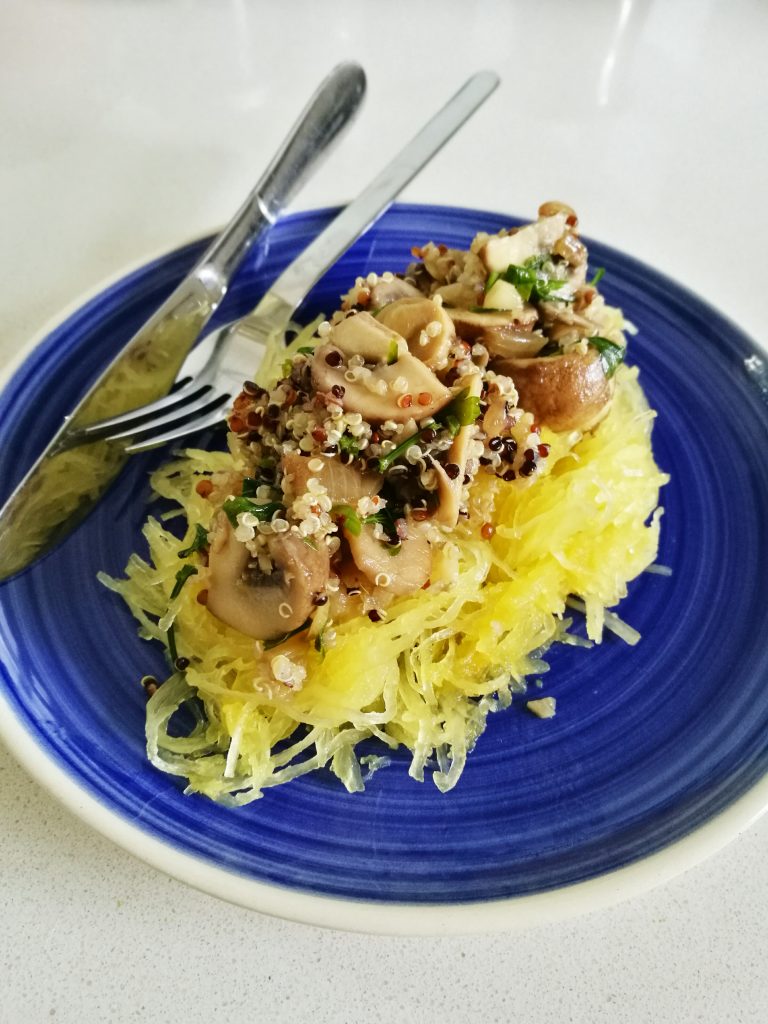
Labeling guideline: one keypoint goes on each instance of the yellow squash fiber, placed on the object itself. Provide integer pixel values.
(428, 675)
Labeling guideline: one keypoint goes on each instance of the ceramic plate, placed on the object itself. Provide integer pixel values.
(658, 753)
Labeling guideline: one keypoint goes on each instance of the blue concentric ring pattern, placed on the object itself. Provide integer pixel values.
(648, 743)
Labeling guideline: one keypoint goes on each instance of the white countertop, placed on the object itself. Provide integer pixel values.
(127, 127)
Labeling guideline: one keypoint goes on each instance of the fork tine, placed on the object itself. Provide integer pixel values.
(195, 374)
(208, 419)
(202, 403)
(133, 417)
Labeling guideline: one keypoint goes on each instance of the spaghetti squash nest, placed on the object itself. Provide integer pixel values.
(428, 674)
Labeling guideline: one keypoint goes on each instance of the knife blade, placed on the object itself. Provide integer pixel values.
(64, 483)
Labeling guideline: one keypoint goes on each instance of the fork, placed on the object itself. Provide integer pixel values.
(214, 371)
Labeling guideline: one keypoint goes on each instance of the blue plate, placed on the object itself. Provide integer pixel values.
(649, 743)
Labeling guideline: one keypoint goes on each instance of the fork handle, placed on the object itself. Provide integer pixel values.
(328, 111)
(302, 274)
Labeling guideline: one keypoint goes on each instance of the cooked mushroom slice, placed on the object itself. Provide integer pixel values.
(374, 296)
(264, 605)
(566, 392)
(391, 385)
(498, 419)
(503, 334)
(563, 324)
(461, 293)
(344, 484)
(362, 335)
(426, 327)
(451, 480)
(399, 573)
(502, 250)
(385, 292)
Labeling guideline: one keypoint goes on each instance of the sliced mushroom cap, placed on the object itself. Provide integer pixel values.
(498, 419)
(461, 293)
(384, 292)
(344, 484)
(363, 335)
(410, 318)
(264, 605)
(449, 489)
(381, 390)
(505, 334)
(566, 392)
(563, 324)
(501, 251)
(397, 574)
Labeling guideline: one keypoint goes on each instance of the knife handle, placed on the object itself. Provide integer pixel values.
(328, 111)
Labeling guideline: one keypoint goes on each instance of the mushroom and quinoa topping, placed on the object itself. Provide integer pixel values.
(358, 463)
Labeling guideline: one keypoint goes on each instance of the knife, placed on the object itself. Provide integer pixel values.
(278, 303)
(62, 486)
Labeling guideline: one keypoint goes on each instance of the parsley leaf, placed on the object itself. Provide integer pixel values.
(349, 444)
(350, 518)
(531, 280)
(464, 408)
(270, 644)
(199, 541)
(263, 512)
(611, 354)
(181, 578)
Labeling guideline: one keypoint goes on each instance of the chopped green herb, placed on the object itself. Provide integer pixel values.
(351, 520)
(249, 487)
(464, 407)
(306, 350)
(377, 517)
(199, 542)
(452, 424)
(263, 512)
(611, 354)
(460, 412)
(349, 444)
(270, 644)
(181, 578)
(393, 352)
(599, 274)
(171, 634)
(399, 450)
(550, 349)
(531, 280)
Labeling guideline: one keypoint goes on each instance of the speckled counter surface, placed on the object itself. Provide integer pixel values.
(128, 127)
